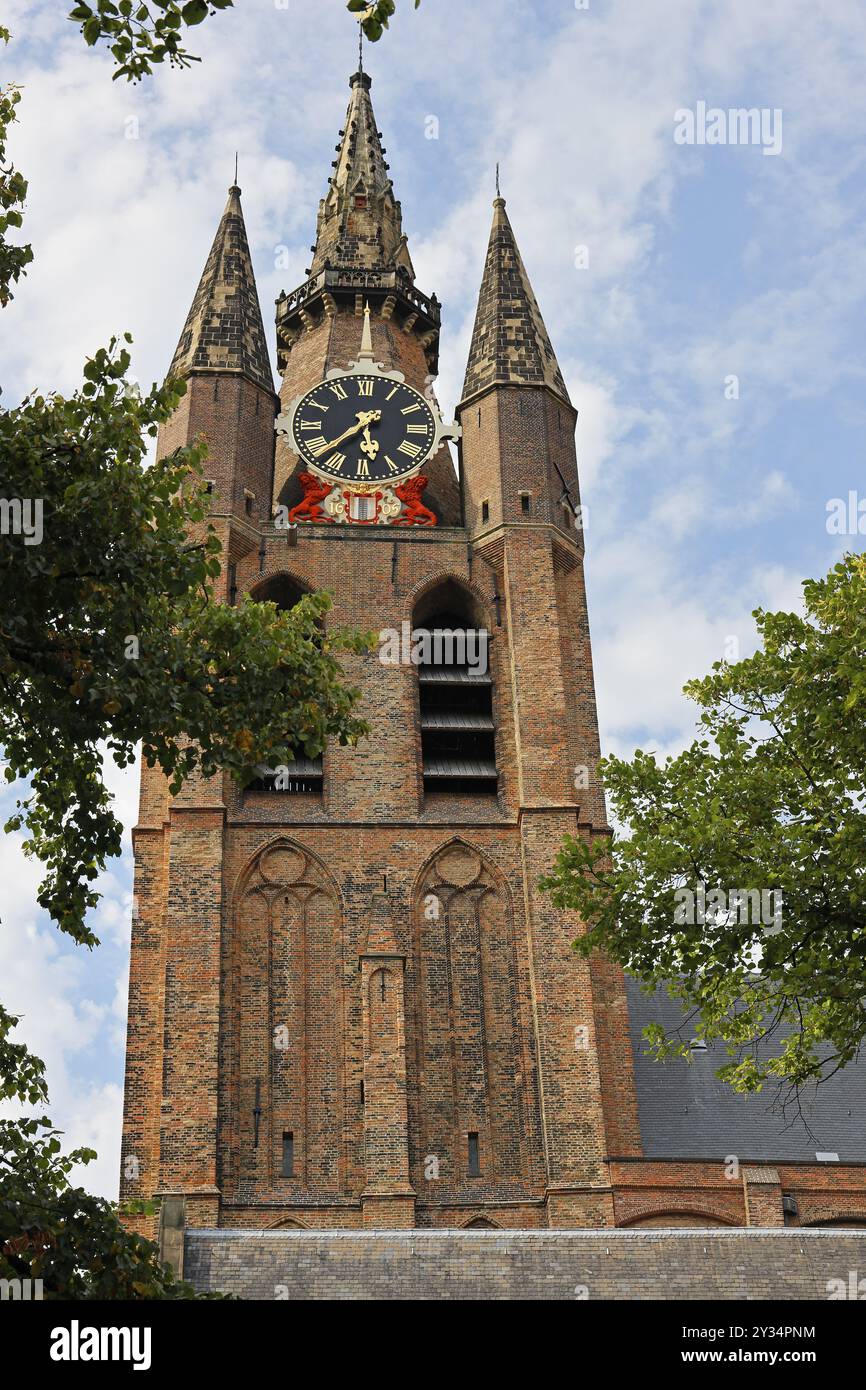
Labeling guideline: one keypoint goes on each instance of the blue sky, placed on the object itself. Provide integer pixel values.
(704, 262)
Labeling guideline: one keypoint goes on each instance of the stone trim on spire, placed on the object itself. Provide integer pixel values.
(360, 221)
(510, 345)
(224, 329)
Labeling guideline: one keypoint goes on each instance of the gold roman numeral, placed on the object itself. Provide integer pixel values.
(416, 429)
(410, 409)
(365, 386)
(318, 405)
(391, 464)
(339, 391)
(335, 461)
(407, 447)
(310, 425)
(317, 446)
(362, 471)
(392, 392)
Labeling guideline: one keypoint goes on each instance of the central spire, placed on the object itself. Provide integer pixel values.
(360, 256)
(360, 223)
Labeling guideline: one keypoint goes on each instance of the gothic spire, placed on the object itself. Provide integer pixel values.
(359, 218)
(509, 345)
(224, 329)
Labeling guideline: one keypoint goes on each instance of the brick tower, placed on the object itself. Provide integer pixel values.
(349, 1003)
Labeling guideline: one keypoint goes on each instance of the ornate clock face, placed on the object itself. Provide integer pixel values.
(363, 428)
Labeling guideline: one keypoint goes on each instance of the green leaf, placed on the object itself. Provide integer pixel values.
(194, 11)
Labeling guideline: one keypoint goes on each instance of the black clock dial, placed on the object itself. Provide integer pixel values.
(364, 429)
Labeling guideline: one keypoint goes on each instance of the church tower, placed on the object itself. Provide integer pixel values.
(350, 1005)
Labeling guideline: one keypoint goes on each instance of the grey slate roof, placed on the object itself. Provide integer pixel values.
(224, 329)
(510, 345)
(685, 1112)
(476, 1265)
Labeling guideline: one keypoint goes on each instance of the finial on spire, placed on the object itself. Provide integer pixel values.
(366, 353)
(498, 194)
(236, 169)
(360, 47)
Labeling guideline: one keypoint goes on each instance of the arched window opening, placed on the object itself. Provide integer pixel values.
(455, 692)
(302, 776)
(281, 589)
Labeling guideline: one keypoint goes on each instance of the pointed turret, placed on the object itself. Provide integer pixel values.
(230, 399)
(514, 394)
(224, 329)
(510, 345)
(359, 219)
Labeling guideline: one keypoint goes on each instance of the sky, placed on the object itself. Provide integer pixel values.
(705, 301)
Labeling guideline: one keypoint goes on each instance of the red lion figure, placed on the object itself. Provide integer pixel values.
(314, 492)
(409, 493)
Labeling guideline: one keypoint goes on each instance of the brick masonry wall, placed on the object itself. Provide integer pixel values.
(519, 439)
(262, 912)
(236, 418)
(656, 1189)
(542, 1265)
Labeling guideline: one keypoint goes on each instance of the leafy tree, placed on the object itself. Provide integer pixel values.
(140, 35)
(50, 1230)
(374, 18)
(110, 635)
(13, 190)
(771, 797)
(109, 632)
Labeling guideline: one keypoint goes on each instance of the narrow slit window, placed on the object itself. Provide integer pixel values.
(525, 503)
(288, 1154)
(485, 511)
(474, 1157)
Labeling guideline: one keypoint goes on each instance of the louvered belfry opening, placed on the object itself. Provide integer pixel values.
(455, 692)
(303, 776)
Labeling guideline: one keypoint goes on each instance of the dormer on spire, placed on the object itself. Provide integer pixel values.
(224, 329)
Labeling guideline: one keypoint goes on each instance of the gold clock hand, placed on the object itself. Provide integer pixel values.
(364, 419)
(369, 446)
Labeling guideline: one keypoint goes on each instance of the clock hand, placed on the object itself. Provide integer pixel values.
(364, 419)
(369, 446)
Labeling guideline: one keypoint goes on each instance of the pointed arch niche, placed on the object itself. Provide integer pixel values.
(303, 776)
(469, 1090)
(287, 1004)
(455, 693)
